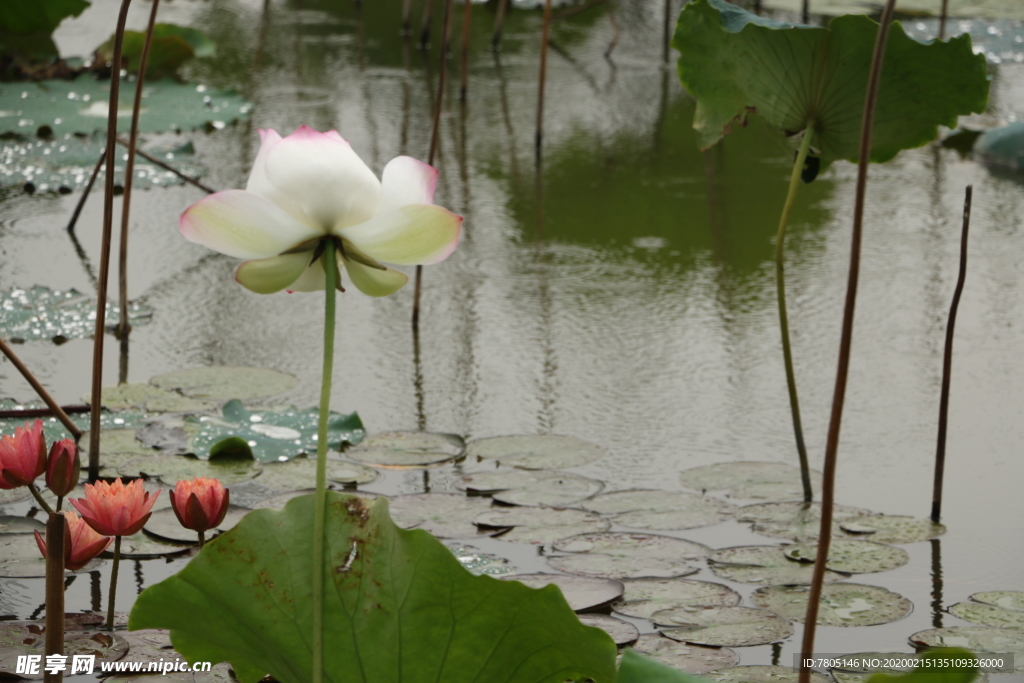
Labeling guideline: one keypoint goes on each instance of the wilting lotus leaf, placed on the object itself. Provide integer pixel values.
(143, 547)
(980, 640)
(41, 313)
(643, 597)
(81, 106)
(749, 480)
(532, 487)
(271, 435)
(150, 398)
(581, 592)
(842, 604)
(622, 632)
(892, 528)
(20, 525)
(445, 515)
(171, 469)
(852, 557)
(1007, 599)
(407, 450)
(20, 558)
(301, 473)
(764, 564)
(223, 383)
(694, 659)
(541, 452)
(477, 562)
(19, 638)
(624, 555)
(989, 615)
(762, 673)
(539, 525)
(795, 520)
(722, 626)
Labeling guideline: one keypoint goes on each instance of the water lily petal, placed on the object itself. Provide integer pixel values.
(269, 275)
(374, 281)
(411, 235)
(317, 178)
(242, 224)
(406, 181)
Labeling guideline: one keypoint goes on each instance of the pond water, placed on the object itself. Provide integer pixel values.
(622, 292)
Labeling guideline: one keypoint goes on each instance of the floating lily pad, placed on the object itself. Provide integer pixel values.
(81, 106)
(764, 564)
(301, 473)
(408, 450)
(722, 626)
(582, 593)
(41, 313)
(622, 632)
(643, 597)
(20, 525)
(165, 524)
(20, 557)
(542, 452)
(532, 487)
(53, 430)
(1002, 147)
(794, 520)
(749, 480)
(762, 673)
(273, 436)
(623, 555)
(539, 525)
(446, 515)
(694, 659)
(978, 639)
(892, 528)
(479, 562)
(143, 547)
(222, 383)
(842, 604)
(663, 510)
(18, 638)
(171, 469)
(1007, 599)
(989, 615)
(852, 557)
(117, 447)
(151, 399)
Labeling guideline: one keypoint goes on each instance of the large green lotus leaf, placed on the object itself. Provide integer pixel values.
(931, 671)
(636, 668)
(38, 16)
(734, 62)
(171, 47)
(81, 106)
(40, 313)
(398, 606)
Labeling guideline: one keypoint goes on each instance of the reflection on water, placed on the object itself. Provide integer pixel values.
(621, 293)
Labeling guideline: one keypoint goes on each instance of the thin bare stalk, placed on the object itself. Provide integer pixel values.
(54, 407)
(805, 12)
(406, 13)
(666, 38)
(56, 537)
(943, 13)
(428, 19)
(467, 13)
(85, 192)
(539, 136)
(108, 229)
(27, 413)
(167, 167)
(124, 327)
(499, 24)
(947, 362)
(846, 340)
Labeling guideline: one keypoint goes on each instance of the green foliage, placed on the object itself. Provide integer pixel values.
(635, 668)
(735, 63)
(172, 46)
(398, 606)
(931, 670)
(37, 17)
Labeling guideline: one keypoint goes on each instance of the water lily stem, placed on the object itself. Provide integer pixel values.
(39, 499)
(55, 540)
(60, 503)
(499, 24)
(320, 501)
(780, 285)
(202, 540)
(113, 583)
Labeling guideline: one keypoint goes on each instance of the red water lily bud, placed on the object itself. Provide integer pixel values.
(23, 456)
(63, 467)
(200, 504)
(81, 543)
(116, 509)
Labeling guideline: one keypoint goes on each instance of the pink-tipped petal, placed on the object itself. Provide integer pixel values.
(266, 276)
(373, 281)
(416, 234)
(406, 181)
(242, 224)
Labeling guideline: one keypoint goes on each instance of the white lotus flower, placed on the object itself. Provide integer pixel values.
(310, 187)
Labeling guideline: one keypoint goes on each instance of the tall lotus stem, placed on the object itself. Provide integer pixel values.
(56, 538)
(543, 72)
(467, 13)
(202, 539)
(406, 11)
(499, 24)
(780, 285)
(846, 341)
(428, 17)
(113, 583)
(320, 501)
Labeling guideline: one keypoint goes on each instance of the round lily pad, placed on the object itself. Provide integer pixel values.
(224, 383)
(478, 562)
(977, 639)
(750, 480)
(115, 442)
(722, 626)
(539, 452)
(582, 593)
(662, 510)
(842, 604)
(150, 398)
(20, 557)
(852, 557)
(40, 313)
(892, 528)
(694, 659)
(765, 565)
(171, 469)
(446, 515)
(622, 632)
(165, 524)
(1007, 599)
(762, 673)
(989, 615)
(643, 597)
(407, 450)
(20, 525)
(19, 638)
(794, 520)
(623, 555)
(143, 547)
(300, 473)
(539, 525)
(535, 487)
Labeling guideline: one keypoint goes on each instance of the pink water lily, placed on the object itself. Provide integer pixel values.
(309, 187)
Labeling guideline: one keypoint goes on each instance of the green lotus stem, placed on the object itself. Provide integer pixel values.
(780, 282)
(320, 499)
(39, 499)
(113, 583)
(202, 540)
